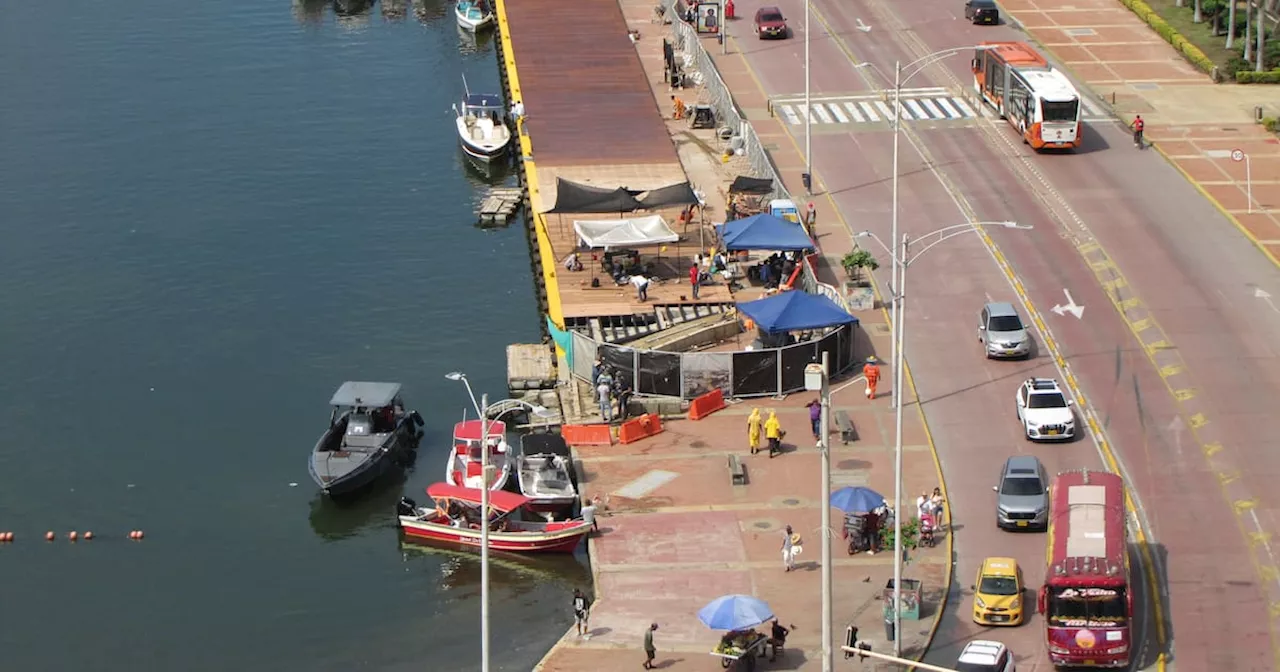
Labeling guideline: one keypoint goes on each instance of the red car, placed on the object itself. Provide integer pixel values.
(770, 24)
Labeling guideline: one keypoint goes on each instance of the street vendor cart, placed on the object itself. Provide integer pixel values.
(739, 650)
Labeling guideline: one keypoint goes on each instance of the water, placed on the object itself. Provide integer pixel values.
(213, 214)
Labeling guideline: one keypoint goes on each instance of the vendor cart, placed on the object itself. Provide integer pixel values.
(740, 652)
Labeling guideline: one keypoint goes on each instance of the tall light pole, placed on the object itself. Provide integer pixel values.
(817, 379)
(901, 261)
(482, 410)
(808, 111)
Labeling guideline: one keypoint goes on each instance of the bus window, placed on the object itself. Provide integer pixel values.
(1060, 111)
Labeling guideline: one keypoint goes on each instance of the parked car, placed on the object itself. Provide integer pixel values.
(1022, 497)
(1044, 411)
(770, 24)
(982, 11)
(984, 656)
(1001, 331)
(997, 593)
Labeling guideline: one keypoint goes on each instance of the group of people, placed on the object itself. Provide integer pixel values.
(744, 639)
(610, 389)
(776, 269)
(771, 429)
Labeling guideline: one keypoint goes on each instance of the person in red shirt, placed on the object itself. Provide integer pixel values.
(872, 373)
(1137, 127)
(695, 274)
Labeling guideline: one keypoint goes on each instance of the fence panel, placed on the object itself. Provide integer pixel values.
(658, 373)
(703, 372)
(584, 356)
(755, 373)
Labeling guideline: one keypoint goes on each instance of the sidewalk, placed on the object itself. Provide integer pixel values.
(1193, 122)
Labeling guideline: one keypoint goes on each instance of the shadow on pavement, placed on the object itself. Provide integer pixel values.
(1149, 649)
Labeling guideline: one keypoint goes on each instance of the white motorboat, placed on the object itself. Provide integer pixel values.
(473, 14)
(544, 469)
(464, 466)
(482, 125)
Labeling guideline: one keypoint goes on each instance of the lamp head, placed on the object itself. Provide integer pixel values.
(862, 234)
(455, 375)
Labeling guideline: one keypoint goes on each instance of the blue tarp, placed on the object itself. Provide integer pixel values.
(764, 232)
(795, 311)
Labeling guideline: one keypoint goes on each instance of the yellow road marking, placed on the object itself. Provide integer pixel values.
(1184, 394)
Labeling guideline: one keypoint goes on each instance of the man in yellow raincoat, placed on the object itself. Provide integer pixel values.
(773, 432)
(753, 430)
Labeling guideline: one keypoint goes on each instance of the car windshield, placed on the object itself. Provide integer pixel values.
(975, 667)
(1005, 323)
(1047, 400)
(998, 585)
(1022, 487)
(1067, 110)
(771, 17)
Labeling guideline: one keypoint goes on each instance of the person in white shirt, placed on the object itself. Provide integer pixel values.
(924, 505)
(642, 287)
(517, 110)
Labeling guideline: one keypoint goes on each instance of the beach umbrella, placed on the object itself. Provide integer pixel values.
(735, 612)
(856, 499)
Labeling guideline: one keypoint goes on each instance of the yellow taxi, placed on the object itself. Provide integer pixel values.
(997, 595)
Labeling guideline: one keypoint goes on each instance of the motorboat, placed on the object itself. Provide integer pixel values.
(465, 461)
(370, 433)
(482, 125)
(456, 518)
(473, 15)
(544, 470)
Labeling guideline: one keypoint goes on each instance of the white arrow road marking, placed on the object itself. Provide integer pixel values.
(863, 27)
(1069, 307)
(1260, 293)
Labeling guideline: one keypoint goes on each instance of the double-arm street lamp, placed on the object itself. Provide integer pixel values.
(901, 262)
(482, 409)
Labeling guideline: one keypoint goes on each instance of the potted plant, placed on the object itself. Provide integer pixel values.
(857, 260)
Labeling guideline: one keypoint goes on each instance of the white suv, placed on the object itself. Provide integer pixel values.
(1045, 412)
(984, 656)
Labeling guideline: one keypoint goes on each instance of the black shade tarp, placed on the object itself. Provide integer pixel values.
(674, 194)
(659, 374)
(755, 373)
(572, 197)
(621, 360)
(751, 185)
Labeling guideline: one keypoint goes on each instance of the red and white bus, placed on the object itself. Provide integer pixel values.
(1020, 85)
(1086, 598)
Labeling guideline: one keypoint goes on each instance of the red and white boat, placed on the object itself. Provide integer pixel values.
(512, 526)
(463, 468)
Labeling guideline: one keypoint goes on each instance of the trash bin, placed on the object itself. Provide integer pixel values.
(910, 607)
(888, 628)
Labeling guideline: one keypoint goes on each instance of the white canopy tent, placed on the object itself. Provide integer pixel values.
(609, 233)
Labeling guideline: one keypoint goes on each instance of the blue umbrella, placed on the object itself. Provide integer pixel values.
(856, 500)
(735, 612)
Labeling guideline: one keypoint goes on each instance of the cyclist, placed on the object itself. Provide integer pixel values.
(1137, 126)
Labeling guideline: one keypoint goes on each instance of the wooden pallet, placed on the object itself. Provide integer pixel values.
(501, 205)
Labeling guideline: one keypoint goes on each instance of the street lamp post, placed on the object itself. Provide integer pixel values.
(817, 379)
(901, 261)
(808, 111)
(482, 409)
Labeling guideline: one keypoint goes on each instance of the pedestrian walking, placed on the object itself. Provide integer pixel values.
(1137, 125)
(753, 430)
(935, 505)
(649, 651)
(589, 513)
(815, 419)
(790, 541)
(581, 612)
(871, 531)
(695, 278)
(871, 371)
(773, 432)
(811, 220)
(606, 399)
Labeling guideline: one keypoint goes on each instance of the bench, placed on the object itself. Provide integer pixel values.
(737, 471)
(847, 433)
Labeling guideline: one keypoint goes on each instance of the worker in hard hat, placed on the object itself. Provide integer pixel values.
(871, 371)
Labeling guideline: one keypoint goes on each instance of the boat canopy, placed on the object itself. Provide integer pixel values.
(369, 395)
(543, 444)
(469, 430)
(486, 100)
(499, 500)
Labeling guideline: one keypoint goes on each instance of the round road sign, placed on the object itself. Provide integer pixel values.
(1237, 155)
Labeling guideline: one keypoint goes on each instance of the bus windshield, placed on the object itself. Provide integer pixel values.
(1060, 111)
(1087, 607)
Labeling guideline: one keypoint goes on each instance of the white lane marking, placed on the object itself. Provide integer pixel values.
(886, 111)
(821, 110)
(854, 112)
(834, 109)
(871, 112)
(916, 109)
(790, 114)
(964, 107)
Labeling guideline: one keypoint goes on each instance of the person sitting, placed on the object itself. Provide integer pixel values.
(777, 638)
(572, 262)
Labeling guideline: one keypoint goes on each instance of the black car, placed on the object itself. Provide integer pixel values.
(982, 11)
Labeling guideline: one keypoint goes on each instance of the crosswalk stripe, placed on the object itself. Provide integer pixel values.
(834, 109)
(964, 107)
(790, 114)
(821, 111)
(871, 113)
(933, 110)
(854, 112)
(946, 107)
(916, 109)
(884, 109)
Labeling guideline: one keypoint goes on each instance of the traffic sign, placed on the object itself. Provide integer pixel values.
(1237, 155)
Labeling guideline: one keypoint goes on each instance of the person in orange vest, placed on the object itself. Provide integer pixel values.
(871, 370)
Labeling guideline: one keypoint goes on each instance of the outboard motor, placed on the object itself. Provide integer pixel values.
(406, 507)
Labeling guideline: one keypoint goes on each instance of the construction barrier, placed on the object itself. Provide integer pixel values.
(642, 427)
(587, 435)
(707, 404)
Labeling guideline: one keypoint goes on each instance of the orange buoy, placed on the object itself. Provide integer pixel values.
(139, 534)
(50, 536)
(72, 535)
(88, 536)
(133, 534)
(6, 536)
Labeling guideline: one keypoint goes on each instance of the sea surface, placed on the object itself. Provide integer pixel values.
(211, 215)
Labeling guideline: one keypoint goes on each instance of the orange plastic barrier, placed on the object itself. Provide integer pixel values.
(707, 404)
(642, 427)
(587, 435)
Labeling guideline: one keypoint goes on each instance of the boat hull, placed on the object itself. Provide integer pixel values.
(563, 539)
(391, 458)
(473, 25)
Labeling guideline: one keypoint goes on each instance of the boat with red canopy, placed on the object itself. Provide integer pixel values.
(456, 517)
(463, 468)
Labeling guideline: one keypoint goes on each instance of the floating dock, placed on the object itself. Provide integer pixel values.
(501, 205)
(530, 366)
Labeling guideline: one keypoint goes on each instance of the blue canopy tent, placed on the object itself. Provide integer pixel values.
(764, 232)
(795, 311)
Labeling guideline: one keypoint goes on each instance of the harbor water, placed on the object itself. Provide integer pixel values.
(212, 215)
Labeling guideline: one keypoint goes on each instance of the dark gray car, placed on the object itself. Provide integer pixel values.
(1022, 497)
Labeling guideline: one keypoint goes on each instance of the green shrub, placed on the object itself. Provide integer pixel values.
(1168, 34)
(1250, 77)
(1271, 124)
